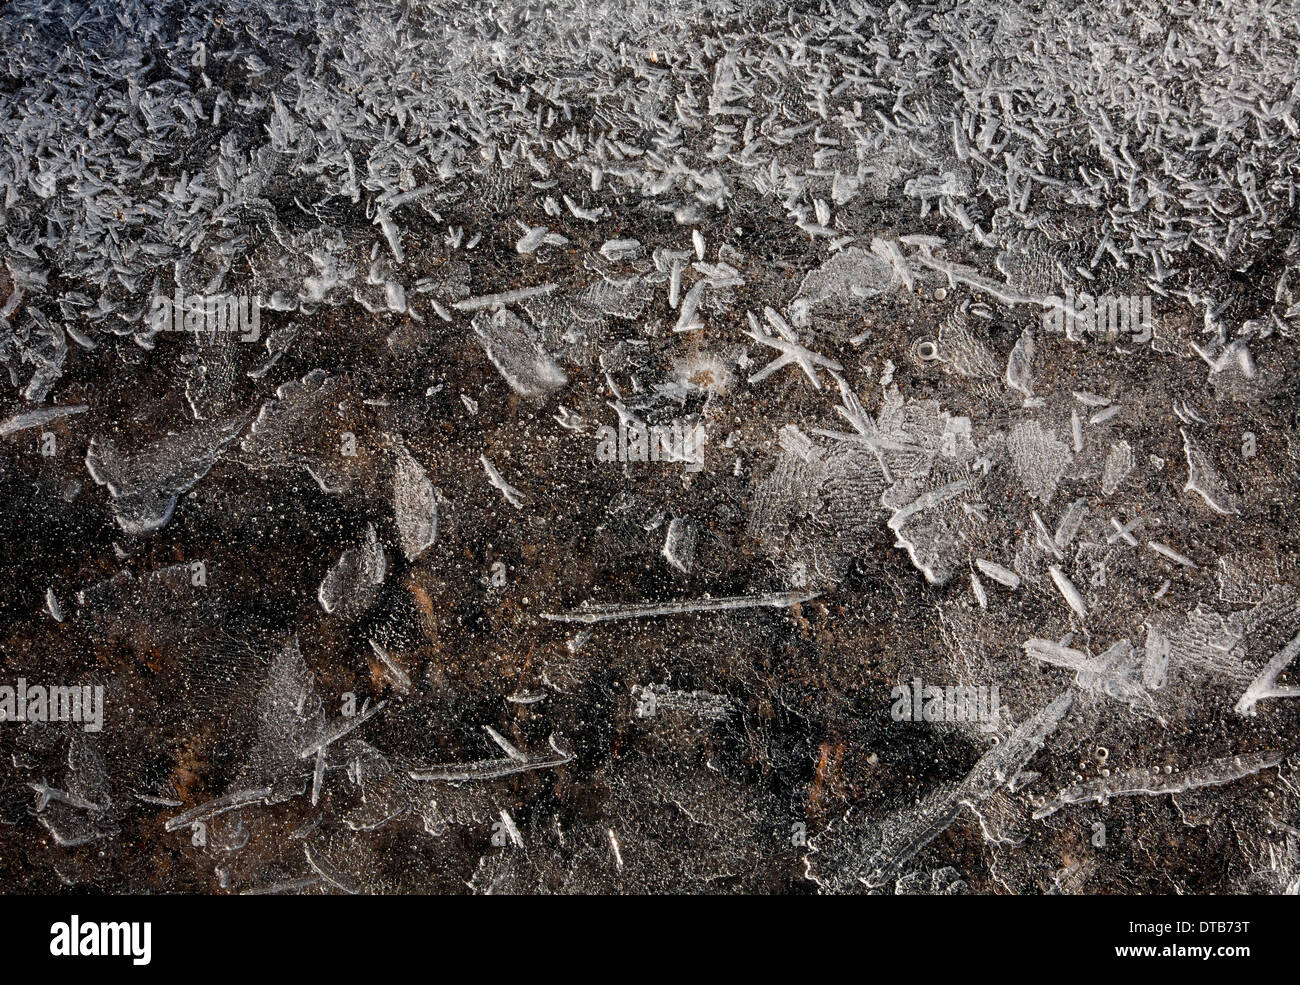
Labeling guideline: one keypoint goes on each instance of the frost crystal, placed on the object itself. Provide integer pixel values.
(355, 357)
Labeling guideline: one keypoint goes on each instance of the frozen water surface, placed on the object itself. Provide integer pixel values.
(682, 447)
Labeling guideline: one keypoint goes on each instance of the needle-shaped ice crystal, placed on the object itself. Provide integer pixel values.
(513, 496)
(1153, 782)
(514, 761)
(609, 613)
(1265, 685)
(791, 352)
